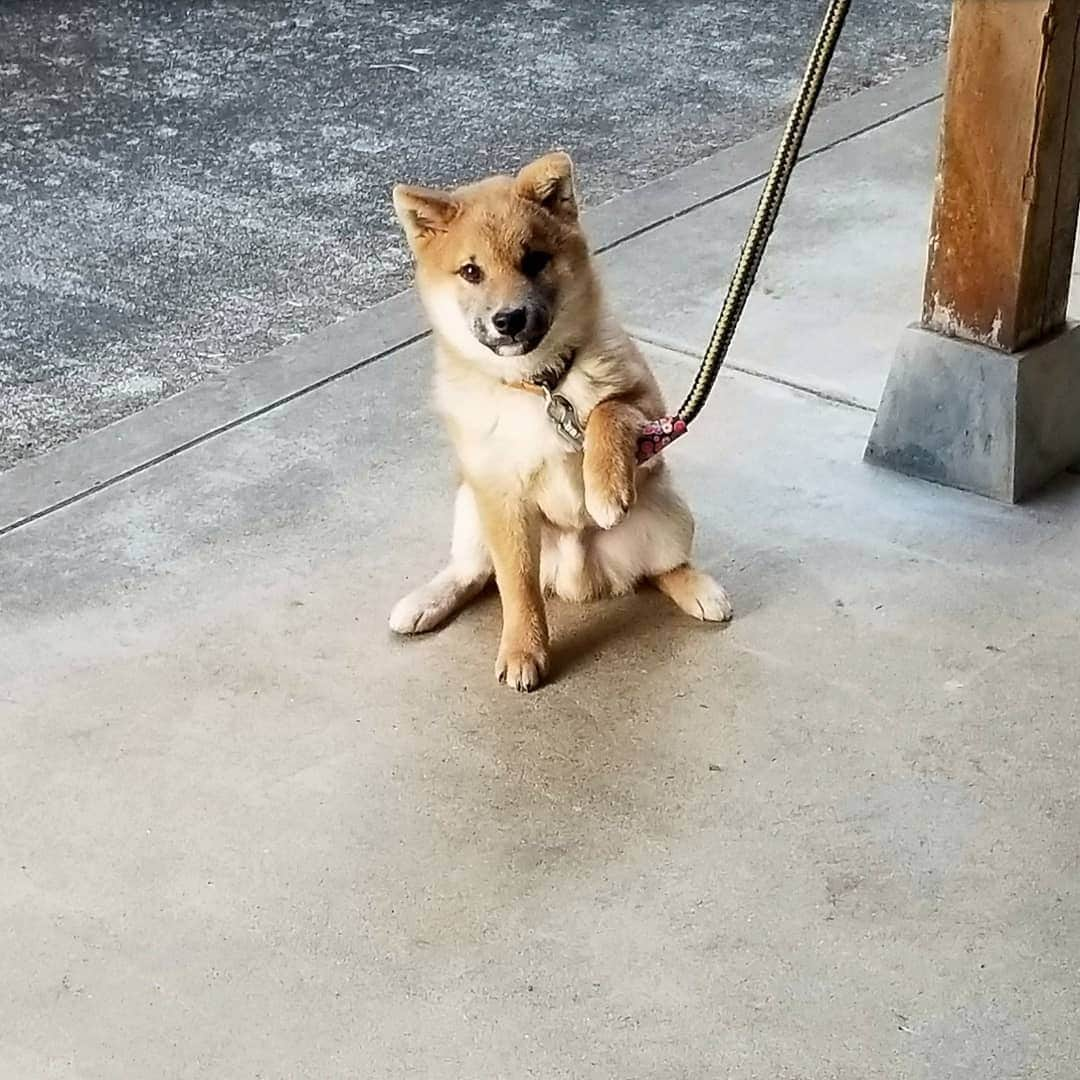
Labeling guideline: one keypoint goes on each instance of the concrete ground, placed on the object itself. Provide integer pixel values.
(247, 833)
(186, 186)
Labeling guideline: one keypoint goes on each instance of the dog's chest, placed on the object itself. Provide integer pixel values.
(506, 439)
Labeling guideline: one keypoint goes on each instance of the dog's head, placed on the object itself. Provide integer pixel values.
(502, 265)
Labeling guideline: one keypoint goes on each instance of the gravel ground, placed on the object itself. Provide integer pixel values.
(187, 185)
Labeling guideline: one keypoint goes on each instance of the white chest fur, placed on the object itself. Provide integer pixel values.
(506, 439)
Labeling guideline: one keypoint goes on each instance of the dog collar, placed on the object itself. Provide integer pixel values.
(560, 410)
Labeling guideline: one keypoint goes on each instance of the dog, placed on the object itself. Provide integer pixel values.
(544, 396)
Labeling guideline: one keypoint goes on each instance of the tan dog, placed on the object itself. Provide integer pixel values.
(503, 269)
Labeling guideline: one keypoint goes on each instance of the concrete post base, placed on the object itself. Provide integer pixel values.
(963, 414)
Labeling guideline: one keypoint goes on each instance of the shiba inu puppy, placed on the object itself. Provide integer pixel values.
(544, 396)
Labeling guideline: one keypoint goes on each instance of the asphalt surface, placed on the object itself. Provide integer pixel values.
(185, 186)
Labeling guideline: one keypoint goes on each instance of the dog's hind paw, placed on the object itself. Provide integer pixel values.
(712, 603)
(414, 614)
(696, 593)
(425, 609)
(428, 607)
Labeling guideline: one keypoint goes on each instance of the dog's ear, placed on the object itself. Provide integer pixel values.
(424, 212)
(550, 182)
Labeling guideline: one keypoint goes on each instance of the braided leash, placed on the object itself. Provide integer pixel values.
(660, 433)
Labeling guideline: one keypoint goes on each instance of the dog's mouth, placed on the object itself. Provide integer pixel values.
(518, 343)
(513, 346)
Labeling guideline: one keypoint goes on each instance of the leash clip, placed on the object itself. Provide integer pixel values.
(564, 418)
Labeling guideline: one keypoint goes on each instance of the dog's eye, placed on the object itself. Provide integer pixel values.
(533, 262)
(471, 273)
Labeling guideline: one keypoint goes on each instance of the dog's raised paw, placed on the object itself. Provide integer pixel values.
(521, 669)
(609, 508)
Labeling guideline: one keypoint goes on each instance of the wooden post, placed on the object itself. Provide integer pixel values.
(985, 393)
(1008, 188)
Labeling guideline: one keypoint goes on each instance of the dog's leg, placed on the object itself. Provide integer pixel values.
(695, 592)
(654, 543)
(451, 589)
(611, 461)
(512, 530)
(672, 529)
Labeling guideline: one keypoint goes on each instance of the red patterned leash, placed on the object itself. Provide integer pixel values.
(657, 435)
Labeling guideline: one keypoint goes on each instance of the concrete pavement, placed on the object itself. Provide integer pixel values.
(247, 833)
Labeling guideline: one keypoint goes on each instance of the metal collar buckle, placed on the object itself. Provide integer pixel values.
(564, 418)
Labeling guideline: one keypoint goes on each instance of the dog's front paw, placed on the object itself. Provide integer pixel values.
(609, 500)
(521, 668)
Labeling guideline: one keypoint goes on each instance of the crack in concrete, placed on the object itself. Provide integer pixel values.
(829, 396)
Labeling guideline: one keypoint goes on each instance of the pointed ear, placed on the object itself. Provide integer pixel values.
(424, 212)
(550, 182)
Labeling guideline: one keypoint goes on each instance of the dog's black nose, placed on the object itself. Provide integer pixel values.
(510, 321)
